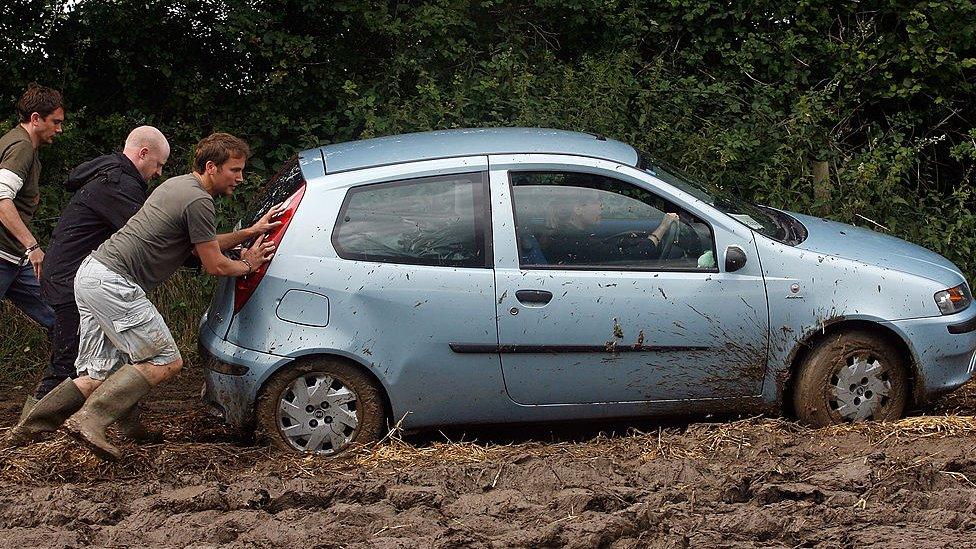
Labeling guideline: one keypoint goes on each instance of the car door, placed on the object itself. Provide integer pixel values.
(598, 301)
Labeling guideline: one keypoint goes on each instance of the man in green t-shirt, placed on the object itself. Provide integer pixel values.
(41, 113)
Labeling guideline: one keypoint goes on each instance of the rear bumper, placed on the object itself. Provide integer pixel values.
(945, 360)
(233, 377)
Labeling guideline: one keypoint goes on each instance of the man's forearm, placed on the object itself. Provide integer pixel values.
(228, 267)
(227, 241)
(10, 219)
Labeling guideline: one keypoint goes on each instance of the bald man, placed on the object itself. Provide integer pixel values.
(108, 191)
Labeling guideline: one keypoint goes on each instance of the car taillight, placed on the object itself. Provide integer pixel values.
(245, 285)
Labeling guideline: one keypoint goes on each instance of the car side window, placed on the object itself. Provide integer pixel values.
(438, 220)
(571, 220)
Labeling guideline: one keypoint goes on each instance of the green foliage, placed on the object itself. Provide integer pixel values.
(23, 348)
(743, 94)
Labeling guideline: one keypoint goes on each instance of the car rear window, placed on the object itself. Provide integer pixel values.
(277, 190)
(438, 220)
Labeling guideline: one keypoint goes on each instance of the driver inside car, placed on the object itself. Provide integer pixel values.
(571, 237)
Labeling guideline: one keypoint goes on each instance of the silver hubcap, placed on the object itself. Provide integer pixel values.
(860, 388)
(317, 414)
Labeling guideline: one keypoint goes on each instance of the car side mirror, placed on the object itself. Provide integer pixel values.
(735, 259)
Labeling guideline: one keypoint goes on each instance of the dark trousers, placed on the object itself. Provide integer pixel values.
(64, 348)
(19, 285)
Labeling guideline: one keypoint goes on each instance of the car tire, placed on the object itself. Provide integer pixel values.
(851, 376)
(350, 411)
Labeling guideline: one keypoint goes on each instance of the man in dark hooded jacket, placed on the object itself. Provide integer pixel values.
(108, 191)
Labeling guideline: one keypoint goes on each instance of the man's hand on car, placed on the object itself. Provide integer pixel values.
(259, 253)
(265, 224)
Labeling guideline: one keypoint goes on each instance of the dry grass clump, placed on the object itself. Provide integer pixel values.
(948, 425)
(398, 453)
(392, 451)
(928, 426)
(702, 440)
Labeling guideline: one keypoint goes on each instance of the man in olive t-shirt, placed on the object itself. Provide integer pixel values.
(160, 237)
(40, 113)
(119, 326)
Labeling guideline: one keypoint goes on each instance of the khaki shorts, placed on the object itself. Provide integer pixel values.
(118, 324)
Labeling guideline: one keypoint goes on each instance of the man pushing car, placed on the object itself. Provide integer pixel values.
(125, 347)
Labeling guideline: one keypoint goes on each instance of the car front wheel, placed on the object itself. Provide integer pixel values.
(320, 406)
(852, 376)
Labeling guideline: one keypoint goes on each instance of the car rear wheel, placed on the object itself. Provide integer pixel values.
(320, 406)
(852, 376)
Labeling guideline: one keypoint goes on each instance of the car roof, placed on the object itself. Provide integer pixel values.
(412, 147)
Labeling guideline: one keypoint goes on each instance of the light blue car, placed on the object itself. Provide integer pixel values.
(532, 275)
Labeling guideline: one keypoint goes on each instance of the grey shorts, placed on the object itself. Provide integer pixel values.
(118, 324)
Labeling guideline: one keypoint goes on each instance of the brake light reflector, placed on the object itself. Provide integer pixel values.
(245, 285)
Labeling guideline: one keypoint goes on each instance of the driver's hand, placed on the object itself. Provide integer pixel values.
(669, 219)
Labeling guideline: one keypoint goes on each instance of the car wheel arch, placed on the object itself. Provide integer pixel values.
(342, 357)
(787, 380)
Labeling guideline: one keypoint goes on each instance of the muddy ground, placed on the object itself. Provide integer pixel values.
(755, 482)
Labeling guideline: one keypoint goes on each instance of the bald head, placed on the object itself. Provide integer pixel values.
(148, 150)
(148, 137)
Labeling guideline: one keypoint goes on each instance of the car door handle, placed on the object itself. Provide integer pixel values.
(536, 297)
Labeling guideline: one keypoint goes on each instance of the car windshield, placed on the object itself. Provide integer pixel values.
(764, 220)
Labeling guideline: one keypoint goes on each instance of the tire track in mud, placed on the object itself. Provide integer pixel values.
(749, 483)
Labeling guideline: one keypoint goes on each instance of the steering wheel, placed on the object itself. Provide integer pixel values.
(624, 240)
(667, 242)
(687, 239)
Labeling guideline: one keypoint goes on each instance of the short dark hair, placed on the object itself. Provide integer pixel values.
(218, 148)
(40, 99)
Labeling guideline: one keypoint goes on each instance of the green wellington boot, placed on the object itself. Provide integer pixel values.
(47, 415)
(29, 404)
(131, 426)
(112, 400)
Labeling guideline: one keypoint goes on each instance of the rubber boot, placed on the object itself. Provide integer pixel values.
(112, 400)
(47, 415)
(29, 404)
(131, 426)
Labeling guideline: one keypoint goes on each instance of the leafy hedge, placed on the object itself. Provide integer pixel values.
(744, 94)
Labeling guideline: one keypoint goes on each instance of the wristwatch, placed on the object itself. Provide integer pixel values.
(29, 249)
